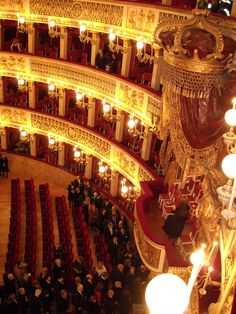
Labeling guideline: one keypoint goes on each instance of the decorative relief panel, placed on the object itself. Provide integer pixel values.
(11, 5)
(74, 75)
(143, 175)
(90, 11)
(131, 96)
(13, 116)
(125, 163)
(141, 19)
(14, 63)
(169, 16)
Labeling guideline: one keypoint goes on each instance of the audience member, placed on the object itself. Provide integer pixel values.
(100, 60)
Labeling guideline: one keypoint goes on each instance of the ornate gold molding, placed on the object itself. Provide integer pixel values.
(120, 93)
(77, 135)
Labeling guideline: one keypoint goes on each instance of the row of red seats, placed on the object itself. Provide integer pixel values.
(47, 226)
(65, 232)
(31, 227)
(82, 235)
(102, 252)
(15, 226)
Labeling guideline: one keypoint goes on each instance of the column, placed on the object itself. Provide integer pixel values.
(31, 38)
(120, 124)
(156, 71)
(3, 135)
(91, 112)
(33, 145)
(61, 154)
(95, 46)
(1, 90)
(63, 42)
(147, 142)
(114, 183)
(31, 92)
(186, 172)
(89, 167)
(62, 101)
(126, 58)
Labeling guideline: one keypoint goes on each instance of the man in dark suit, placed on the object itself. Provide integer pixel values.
(100, 60)
(79, 299)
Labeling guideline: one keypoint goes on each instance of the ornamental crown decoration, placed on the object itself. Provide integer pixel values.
(195, 54)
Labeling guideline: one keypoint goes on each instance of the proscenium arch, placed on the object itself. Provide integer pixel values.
(119, 92)
(85, 138)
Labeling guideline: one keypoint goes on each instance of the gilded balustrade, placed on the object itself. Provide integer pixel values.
(120, 93)
(89, 141)
(130, 20)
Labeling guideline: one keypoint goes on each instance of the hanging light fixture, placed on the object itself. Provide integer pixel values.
(21, 25)
(52, 29)
(84, 37)
(22, 85)
(141, 54)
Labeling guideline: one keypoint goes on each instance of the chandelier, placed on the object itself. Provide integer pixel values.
(227, 193)
(52, 29)
(24, 136)
(133, 130)
(144, 57)
(21, 25)
(84, 37)
(115, 48)
(22, 85)
(80, 101)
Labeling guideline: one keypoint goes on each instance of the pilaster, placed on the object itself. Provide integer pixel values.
(125, 67)
(31, 38)
(61, 154)
(95, 46)
(156, 71)
(114, 184)
(1, 90)
(63, 43)
(89, 167)
(62, 101)
(33, 145)
(3, 138)
(91, 112)
(31, 92)
(147, 142)
(120, 124)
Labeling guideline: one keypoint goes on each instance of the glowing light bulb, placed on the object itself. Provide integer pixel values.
(52, 141)
(106, 108)
(131, 123)
(77, 154)
(229, 165)
(83, 28)
(112, 36)
(21, 81)
(79, 96)
(21, 20)
(52, 24)
(23, 133)
(51, 87)
(197, 257)
(140, 45)
(102, 169)
(230, 117)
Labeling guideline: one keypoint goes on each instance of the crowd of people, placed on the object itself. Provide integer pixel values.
(106, 62)
(4, 166)
(91, 290)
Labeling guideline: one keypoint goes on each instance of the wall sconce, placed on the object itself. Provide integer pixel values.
(102, 169)
(115, 48)
(83, 37)
(21, 25)
(52, 29)
(144, 57)
(132, 128)
(24, 136)
(107, 111)
(52, 91)
(80, 157)
(22, 85)
(229, 137)
(52, 143)
(124, 189)
(80, 101)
